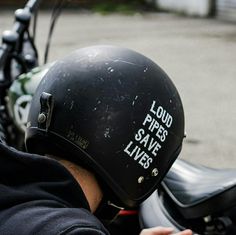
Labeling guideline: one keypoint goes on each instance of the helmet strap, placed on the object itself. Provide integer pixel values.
(46, 108)
(107, 211)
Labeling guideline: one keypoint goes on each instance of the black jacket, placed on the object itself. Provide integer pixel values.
(39, 196)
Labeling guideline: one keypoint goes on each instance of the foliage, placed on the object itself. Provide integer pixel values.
(124, 7)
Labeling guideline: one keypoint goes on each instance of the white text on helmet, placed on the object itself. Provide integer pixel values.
(162, 114)
(149, 139)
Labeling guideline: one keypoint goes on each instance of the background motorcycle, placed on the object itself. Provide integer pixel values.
(19, 56)
(190, 196)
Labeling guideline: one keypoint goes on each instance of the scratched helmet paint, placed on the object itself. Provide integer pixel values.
(114, 111)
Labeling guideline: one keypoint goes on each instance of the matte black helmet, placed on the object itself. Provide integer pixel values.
(114, 111)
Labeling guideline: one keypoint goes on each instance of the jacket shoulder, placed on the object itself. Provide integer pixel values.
(49, 218)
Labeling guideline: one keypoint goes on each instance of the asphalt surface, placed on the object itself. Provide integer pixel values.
(198, 54)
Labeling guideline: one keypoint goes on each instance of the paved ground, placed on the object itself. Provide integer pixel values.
(198, 54)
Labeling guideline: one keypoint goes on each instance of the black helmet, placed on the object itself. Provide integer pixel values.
(112, 110)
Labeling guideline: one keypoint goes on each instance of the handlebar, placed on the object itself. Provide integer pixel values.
(32, 5)
(12, 40)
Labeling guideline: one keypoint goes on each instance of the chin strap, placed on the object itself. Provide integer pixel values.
(107, 211)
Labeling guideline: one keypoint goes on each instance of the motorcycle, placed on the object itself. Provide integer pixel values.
(190, 196)
(20, 71)
(196, 197)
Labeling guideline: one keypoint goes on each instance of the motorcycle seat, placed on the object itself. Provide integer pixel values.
(198, 191)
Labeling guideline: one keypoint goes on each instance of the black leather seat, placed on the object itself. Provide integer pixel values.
(200, 191)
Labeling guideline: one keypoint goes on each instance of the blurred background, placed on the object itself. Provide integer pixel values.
(194, 41)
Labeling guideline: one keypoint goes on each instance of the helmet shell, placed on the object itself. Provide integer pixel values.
(114, 111)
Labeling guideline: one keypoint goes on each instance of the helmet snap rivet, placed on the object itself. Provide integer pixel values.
(155, 172)
(140, 179)
(42, 118)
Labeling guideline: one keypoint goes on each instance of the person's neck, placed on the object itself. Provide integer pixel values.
(88, 183)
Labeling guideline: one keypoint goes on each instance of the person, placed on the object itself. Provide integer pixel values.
(105, 125)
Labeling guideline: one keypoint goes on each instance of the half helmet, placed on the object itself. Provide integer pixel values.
(113, 111)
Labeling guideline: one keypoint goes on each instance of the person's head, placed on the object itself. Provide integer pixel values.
(114, 112)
